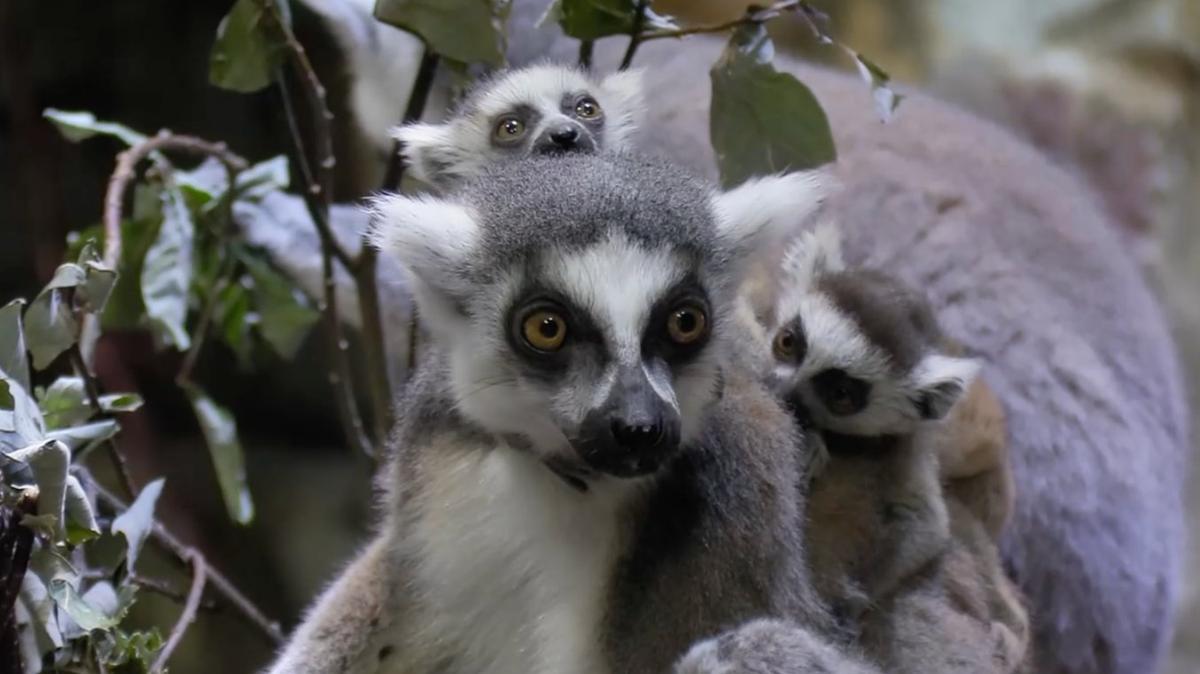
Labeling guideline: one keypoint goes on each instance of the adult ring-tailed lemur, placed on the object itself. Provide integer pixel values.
(1022, 265)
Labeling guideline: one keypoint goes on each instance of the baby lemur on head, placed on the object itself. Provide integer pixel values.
(539, 110)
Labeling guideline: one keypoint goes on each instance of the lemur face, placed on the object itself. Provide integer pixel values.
(537, 110)
(580, 313)
(856, 351)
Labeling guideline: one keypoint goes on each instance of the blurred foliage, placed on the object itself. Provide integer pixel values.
(189, 275)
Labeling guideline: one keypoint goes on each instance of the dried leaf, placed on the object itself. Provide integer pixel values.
(763, 121)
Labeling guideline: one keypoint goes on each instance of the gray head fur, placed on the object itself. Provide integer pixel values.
(857, 350)
(583, 302)
(541, 109)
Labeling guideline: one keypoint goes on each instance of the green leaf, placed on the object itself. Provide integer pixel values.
(133, 652)
(81, 125)
(886, 100)
(246, 53)
(136, 523)
(85, 615)
(50, 323)
(98, 281)
(35, 597)
(121, 402)
(763, 121)
(167, 271)
(65, 403)
(49, 461)
(81, 439)
(80, 520)
(264, 177)
(285, 315)
(594, 19)
(471, 31)
(234, 318)
(13, 361)
(220, 432)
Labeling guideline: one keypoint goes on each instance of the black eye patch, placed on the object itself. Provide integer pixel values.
(840, 393)
(580, 330)
(685, 304)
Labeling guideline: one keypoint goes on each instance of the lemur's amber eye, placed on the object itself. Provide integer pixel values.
(687, 324)
(544, 330)
(509, 128)
(785, 345)
(587, 108)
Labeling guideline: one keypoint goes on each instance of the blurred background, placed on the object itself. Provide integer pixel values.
(1110, 89)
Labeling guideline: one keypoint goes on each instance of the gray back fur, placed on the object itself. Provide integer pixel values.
(1023, 267)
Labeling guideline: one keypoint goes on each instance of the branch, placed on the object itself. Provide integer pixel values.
(188, 616)
(586, 47)
(222, 585)
(752, 16)
(635, 35)
(16, 544)
(318, 197)
(124, 174)
(92, 388)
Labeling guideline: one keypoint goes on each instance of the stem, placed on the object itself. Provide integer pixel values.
(635, 35)
(92, 388)
(188, 616)
(16, 544)
(412, 112)
(318, 197)
(184, 377)
(164, 588)
(222, 585)
(752, 16)
(586, 47)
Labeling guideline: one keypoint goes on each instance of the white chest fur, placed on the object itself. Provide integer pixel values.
(513, 564)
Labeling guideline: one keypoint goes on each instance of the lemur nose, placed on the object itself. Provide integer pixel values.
(565, 136)
(638, 437)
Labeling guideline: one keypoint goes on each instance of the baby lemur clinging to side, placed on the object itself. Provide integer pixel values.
(544, 109)
(859, 357)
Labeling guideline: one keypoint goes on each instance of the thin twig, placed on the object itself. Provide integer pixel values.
(125, 172)
(752, 16)
(92, 388)
(188, 616)
(635, 35)
(184, 377)
(412, 112)
(222, 585)
(162, 587)
(586, 47)
(318, 198)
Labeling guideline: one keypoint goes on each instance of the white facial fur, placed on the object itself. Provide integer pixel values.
(443, 154)
(898, 401)
(614, 281)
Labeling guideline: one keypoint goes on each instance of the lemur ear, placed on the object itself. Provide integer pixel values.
(939, 382)
(761, 211)
(815, 252)
(623, 101)
(428, 150)
(431, 237)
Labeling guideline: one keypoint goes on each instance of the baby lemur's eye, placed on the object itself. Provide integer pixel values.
(587, 108)
(544, 330)
(841, 394)
(787, 346)
(687, 324)
(509, 128)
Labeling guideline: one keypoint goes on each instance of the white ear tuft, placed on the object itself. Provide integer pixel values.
(431, 237)
(428, 150)
(763, 210)
(622, 97)
(939, 382)
(815, 252)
